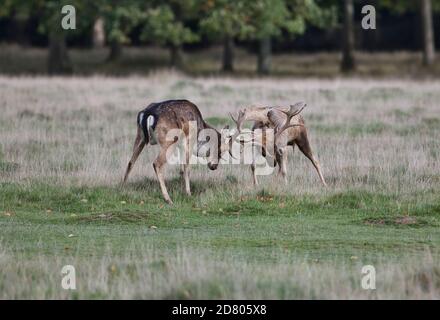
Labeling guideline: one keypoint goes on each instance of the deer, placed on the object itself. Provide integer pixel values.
(156, 121)
(289, 130)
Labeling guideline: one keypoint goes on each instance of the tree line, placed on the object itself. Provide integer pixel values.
(176, 23)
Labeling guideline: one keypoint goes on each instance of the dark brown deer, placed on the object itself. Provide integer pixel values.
(154, 124)
(289, 130)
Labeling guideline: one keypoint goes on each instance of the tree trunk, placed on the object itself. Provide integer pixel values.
(264, 55)
(18, 30)
(58, 59)
(115, 51)
(348, 59)
(176, 56)
(228, 54)
(428, 32)
(98, 33)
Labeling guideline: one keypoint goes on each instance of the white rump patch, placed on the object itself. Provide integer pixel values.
(150, 123)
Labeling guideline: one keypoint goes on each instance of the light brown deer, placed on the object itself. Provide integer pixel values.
(153, 125)
(289, 130)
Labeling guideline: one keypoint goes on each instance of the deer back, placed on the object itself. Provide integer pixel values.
(158, 118)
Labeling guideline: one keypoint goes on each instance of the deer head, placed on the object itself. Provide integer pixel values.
(214, 145)
(278, 130)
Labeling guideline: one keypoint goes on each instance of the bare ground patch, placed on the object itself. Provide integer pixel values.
(396, 221)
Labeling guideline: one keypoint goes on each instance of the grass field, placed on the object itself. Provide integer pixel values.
(65, 142)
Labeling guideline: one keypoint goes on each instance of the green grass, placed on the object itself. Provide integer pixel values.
(98, 227)
(219, 121)
(342, 224)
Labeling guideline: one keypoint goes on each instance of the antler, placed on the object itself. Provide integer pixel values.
(253, 138)
(238, 123)
(293, 111)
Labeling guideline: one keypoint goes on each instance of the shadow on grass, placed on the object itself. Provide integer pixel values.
(176, 185)
(117, 217)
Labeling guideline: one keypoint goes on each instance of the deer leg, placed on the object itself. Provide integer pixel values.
(282, 162)
(186, 178)
(254, 176)
(253, 165)
(139, 145)
(158, 166)
(187, 150)
(281, 158)
(303, 144)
